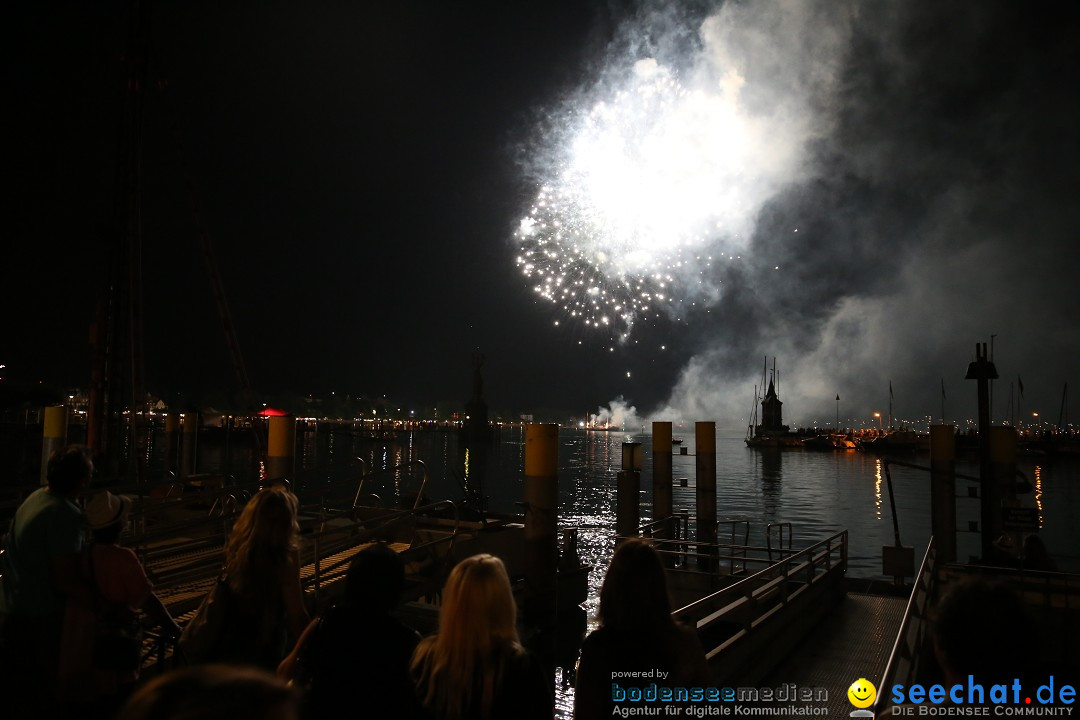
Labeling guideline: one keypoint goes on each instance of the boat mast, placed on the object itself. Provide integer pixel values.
(116, 336)
(753, 415)
(1063, 413)
(752, 428)
(890, 405)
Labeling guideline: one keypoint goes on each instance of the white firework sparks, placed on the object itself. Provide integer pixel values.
(656, 179)
(650, 188)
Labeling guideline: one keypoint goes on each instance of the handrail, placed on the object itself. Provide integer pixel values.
(682, 547)
(227, 504)
(752, 588)
(303, 475)
(779, 537)
(671, 525)
(395, 468)
(919, 594)
(733, 523)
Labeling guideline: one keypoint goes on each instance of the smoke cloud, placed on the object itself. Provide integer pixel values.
(917, 170)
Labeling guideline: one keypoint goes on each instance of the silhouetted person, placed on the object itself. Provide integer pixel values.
(212, 692)
(262, 570)
(637, 634)
(123, 588)
(357, 654)
(983, 629)
(39, 575)
(1036, 556)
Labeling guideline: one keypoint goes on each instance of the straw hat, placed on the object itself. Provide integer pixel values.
(104, 509)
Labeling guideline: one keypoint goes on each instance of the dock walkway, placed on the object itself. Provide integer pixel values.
(853, 642)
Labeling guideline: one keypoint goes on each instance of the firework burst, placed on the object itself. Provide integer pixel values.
(648, 189)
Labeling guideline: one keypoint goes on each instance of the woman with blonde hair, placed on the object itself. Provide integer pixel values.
(262, 572)
(476, 667)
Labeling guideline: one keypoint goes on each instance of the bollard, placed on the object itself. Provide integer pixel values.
(627, 506)
(627, 492)
(53, 436)
(281, 448)
(943, 491)
(541, 503)
(705, 457)
(541, 535)
(189, 444)
(662, 476)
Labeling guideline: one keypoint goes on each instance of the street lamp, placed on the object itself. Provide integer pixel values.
(878, 416)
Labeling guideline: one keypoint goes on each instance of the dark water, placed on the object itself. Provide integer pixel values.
(818, 493)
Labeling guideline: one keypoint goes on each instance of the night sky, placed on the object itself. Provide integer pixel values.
(363, 170)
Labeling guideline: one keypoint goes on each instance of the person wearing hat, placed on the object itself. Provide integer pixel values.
(120, 580)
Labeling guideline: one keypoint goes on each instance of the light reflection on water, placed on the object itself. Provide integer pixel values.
(820, 493)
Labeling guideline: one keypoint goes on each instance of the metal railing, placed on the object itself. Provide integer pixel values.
(781, 548)
(671, 538)
(395, 469)
(1051, 597)
(905, 657)
(746, 604)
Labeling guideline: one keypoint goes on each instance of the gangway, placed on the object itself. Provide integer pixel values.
(748, 619)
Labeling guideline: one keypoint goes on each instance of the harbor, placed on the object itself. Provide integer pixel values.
(356, 489)
(478, 296)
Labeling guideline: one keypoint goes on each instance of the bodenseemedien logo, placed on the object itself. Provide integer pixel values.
(861, 694)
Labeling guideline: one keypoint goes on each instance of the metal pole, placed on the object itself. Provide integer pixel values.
(705, 457)
(662, 463)
(1003, 467)
(983, 371)
(172, 439)
(188, 448)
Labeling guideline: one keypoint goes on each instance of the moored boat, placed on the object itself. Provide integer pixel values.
(831, 441)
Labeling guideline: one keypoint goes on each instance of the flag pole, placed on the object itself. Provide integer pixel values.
(1019, 401)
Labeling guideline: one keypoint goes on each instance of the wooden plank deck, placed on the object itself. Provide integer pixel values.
(183, 600)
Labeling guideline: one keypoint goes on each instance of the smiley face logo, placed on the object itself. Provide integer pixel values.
(862, 693)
